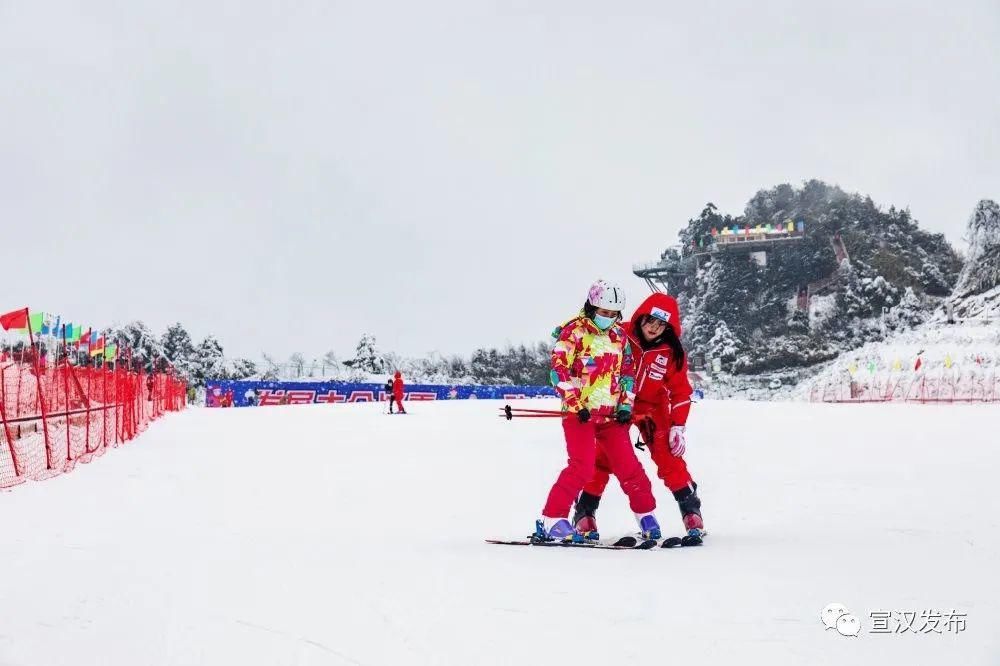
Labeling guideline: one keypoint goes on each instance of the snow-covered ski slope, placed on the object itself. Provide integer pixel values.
(311, 535)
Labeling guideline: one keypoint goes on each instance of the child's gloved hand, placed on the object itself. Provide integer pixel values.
(623, 416)
(583, 415)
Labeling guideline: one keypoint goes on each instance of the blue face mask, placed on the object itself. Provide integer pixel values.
(604, 323)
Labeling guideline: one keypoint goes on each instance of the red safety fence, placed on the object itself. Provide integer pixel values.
(944, 387)
(54, 415)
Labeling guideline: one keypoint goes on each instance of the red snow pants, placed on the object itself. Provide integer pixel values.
(398, 399)
(671, 469)
(584, 442)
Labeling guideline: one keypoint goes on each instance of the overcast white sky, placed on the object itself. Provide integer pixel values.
(445, 175)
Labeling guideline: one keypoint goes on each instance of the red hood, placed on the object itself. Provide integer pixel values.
(665, 302)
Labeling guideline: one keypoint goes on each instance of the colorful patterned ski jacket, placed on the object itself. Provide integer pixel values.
(592, 368)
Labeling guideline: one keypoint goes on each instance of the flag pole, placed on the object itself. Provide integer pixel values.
(66, 371)
(38, 390)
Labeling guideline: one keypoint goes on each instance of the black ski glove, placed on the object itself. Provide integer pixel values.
(623, 416)
(647, 428)
(583, 415)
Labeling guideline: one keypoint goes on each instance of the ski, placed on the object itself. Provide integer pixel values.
(559, 544)
(624, 543)
(668, 542)
(683, 542)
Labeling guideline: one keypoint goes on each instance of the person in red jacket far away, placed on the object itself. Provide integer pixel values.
(663, 399)
(397, 392)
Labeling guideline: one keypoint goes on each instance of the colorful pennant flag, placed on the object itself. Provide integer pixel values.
(96, 345)
(15, 320)
(35, 321)
(111, 352)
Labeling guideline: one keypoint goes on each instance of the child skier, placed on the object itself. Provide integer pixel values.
(663, 399)
(592, 373)
(388, 392)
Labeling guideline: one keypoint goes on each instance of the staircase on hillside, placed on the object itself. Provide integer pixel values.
(824, 285)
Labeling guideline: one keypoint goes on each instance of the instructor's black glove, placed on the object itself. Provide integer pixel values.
(583, 415)
(647, 428)
(623, 416)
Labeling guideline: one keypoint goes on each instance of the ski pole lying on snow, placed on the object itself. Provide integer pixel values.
(510, 412)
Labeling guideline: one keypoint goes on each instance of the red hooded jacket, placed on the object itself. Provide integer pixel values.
(658, 382)
(397, 386)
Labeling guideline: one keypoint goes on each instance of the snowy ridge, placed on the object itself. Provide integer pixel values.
(958, 361)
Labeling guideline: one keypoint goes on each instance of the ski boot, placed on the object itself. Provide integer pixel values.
(690, 506)
(584, 519)
(649, 527)
(555, 529)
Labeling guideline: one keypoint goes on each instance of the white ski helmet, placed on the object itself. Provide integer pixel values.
(606, 295)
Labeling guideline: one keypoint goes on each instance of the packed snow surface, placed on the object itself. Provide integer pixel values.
(336, 534)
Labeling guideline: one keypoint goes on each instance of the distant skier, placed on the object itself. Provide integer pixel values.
(397, 392)
(388, 392)
(592, 373)
(663, 400)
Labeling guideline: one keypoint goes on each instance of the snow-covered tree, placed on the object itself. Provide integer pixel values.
(982, 264)
(209, 361)
(366, 356)
(272, 370)
(331, 365)
(137, 337)
(296, 365)
(177, 346)
(910, 312)
(242, 368)
(723, 345)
